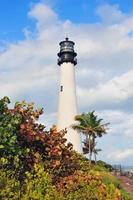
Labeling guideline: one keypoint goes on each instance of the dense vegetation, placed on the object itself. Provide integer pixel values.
(39, 164)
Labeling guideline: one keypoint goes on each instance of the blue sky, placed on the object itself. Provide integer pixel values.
(103, 32)
(13, 14)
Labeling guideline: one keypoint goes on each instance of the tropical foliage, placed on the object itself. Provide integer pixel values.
(25, 143)
(92, 127)
(92, 148)
(39, 164)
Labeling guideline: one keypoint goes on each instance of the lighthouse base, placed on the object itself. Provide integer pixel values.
(73, 137)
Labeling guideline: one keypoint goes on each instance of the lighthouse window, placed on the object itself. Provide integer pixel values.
(61, 88)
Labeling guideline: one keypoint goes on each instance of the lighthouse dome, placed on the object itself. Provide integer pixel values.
(67, 53)
(67, 46)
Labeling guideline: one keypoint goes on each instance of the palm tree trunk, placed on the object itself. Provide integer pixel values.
(95, 158)
(90, 149)
(94, 149)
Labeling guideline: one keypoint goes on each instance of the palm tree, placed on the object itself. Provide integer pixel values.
(88, 147)
(96, 151)
(90, 126)
(93, 149)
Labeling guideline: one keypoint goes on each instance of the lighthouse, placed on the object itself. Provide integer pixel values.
(67, 108)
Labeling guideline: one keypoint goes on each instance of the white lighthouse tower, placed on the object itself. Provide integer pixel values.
(67, 109)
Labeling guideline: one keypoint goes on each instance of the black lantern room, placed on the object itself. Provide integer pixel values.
(67, 53)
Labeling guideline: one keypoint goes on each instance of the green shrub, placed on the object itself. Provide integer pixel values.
(125, 195)
(105, 165)
(82, 162)
(9, 186)
(107, 179)
(38, 186)
(87, 186)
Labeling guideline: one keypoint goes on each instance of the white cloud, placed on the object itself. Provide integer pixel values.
(111, 92)
(44, 15)
(110, 14)
(28, 68)
(121, 123)
(120, 155)
(28, 65)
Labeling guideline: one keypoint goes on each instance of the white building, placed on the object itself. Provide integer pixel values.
(67, 109)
